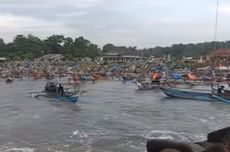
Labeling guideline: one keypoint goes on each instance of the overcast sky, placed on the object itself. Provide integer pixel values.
(141, 23)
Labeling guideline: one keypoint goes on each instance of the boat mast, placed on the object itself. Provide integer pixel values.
(216, 22)
(215, 47)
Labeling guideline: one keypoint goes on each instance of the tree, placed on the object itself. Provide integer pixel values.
(107, 48)
(54, 44)
(2, 47)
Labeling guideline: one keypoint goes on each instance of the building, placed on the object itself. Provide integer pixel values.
(220, 54)
(117, 57)
(220, 59)
(2, 59)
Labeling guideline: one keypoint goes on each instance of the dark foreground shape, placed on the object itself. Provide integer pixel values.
(169, 150)
(218, 141)
(156, 145)
(215, 148)
(220, 136)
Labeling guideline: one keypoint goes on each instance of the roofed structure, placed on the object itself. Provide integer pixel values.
(220, 53)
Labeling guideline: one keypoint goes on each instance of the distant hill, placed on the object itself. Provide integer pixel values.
(176, 50)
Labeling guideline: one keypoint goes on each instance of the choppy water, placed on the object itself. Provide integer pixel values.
(112, 116)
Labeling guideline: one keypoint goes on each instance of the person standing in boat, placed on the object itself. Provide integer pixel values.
(60, 89)
(220, 90)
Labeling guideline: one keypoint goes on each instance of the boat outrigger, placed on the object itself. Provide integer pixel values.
(58, 93)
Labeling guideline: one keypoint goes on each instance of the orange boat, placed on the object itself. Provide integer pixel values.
(74, 81)
(100, 76)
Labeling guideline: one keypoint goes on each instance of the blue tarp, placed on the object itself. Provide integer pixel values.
(177, 76)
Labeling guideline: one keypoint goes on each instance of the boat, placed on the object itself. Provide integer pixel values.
(221, 98)
(188, 94)
(49, 77)
(100, 76)
(147, 85)
(9, 80)
(65, 97)
(74, 81)
(87, 78)
(224, 97)
(57, 93)
(127, 78)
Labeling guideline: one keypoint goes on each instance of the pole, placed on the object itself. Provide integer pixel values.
(216, 22)
(215, 47)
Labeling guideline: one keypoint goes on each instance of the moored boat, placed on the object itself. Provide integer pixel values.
(147, 85)
(188, 94)
(9, 80)
(100, 76)
(223, 96)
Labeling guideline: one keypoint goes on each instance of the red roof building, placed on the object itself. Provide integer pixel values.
(220, 53)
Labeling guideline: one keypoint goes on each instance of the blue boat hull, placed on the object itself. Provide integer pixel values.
(176, 93)
(64, 97)
(221, 98)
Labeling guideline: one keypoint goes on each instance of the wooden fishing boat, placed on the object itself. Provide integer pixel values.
(127, 78)
(9, 80)
(65, 97)
(223, 97)
(188, 94)
(86, 77)
(100, 76)
(57, 93)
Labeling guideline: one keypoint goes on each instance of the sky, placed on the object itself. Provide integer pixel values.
(141, 23)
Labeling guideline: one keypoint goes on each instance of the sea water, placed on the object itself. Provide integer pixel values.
(110, 116)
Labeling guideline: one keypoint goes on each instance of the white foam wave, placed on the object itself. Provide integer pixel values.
(19, 150)
(160, 134)
(75, 133)
(179, 136)
(166, 137)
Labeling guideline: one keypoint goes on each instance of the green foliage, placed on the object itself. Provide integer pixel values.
(30, 47)
(176, 50)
